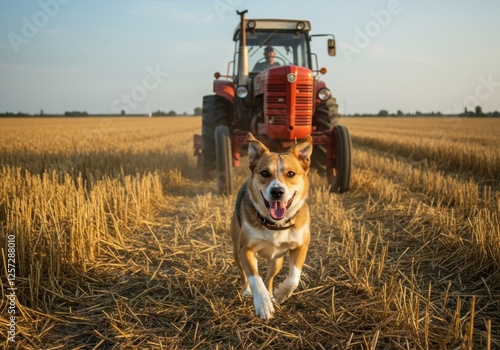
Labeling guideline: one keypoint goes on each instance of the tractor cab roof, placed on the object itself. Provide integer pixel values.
(273, 24)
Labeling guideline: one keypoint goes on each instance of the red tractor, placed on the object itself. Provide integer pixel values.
(280, 100)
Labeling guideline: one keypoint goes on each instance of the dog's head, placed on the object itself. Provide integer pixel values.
(279, 180)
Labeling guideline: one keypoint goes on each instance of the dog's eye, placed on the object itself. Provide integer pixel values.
(265, 173)
(290, 174)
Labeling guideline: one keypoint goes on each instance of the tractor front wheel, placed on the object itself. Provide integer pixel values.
(338, 169)
(224, 160)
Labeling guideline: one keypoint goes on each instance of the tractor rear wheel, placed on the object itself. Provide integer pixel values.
(325, 118)
(216, 111)
(224, 162)
(338, 170)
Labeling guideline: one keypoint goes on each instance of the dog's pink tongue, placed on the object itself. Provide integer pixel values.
(277, 210)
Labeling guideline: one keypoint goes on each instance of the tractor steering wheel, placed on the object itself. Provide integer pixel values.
(275, 57)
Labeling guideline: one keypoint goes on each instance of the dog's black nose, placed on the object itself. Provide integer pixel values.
(277, 192)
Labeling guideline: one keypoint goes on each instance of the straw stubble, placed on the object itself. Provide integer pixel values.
(120, 244)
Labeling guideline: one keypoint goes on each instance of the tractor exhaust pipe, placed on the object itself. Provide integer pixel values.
(243, 54)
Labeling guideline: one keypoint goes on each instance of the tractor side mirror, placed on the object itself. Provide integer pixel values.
(331, 47)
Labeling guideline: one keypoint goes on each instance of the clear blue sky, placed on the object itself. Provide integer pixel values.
(60, 55)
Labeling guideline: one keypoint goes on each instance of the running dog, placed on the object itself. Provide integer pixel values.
(271, 218)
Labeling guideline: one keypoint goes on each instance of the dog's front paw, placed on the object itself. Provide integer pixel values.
(284, 290)
(261, 299)
(263, 306)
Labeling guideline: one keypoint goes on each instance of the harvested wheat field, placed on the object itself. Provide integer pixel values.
(119, 244)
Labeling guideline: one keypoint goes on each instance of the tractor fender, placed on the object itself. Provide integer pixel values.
(318, 85)
(224, 89)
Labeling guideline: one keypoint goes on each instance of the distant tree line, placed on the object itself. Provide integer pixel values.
(11, 115)
(478, 112)
(76, 114)
(172, 113)
(160, 113)
(399, 113)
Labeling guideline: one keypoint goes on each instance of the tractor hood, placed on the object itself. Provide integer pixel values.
(288, 100)
(281, 75)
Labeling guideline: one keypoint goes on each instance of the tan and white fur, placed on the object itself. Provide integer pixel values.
(272, 218)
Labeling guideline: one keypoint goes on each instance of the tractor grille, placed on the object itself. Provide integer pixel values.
(303, 104)
(276, 103)
(276, 88)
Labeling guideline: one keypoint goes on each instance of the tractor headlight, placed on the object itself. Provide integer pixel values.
(301, 25)
(242, 91)
(324, 94)
(251, 24)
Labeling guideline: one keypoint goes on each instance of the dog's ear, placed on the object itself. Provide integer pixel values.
(303, 151)
(255, 150)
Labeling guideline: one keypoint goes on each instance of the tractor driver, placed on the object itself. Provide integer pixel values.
(269, 55)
